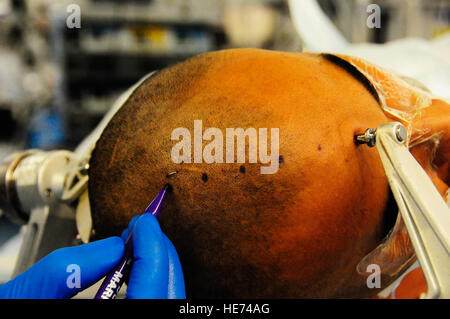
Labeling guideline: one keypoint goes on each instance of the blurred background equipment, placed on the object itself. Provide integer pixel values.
(58, 79)
(412, 38)
(37, 188)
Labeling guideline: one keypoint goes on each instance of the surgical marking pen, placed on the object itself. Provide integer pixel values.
(116, 277)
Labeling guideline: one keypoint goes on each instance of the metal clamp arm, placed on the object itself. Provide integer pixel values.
(426, 215)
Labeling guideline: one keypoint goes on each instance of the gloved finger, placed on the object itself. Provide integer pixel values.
(127, 231)
(176, 289)
(150, 272)
(66, 271)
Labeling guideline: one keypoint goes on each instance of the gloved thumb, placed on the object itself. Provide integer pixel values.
(156, 272)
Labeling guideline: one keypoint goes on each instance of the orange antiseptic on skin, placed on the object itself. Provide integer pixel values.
(302, 232)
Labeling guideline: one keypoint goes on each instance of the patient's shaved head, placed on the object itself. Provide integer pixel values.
(297, 233)
(127, 153)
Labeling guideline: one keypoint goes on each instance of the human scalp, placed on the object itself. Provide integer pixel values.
(299, 232)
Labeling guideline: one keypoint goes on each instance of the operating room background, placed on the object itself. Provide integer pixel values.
(57, 82)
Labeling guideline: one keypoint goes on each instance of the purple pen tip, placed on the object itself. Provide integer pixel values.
(155, 206)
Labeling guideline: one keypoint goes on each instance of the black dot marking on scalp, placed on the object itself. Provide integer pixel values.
(319, 147)
(281, 159)
(242, 169)
(168, 187)
(204, 177)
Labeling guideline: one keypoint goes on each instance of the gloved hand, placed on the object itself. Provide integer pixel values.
(156, 272)
(53, 276)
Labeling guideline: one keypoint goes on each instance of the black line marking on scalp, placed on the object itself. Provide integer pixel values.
(281, 159)
(319, 147)
(204, 177)
(242, 169)
(350, 68)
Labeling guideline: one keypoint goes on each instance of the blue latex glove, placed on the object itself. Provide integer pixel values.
(48, 278)
(156, 271)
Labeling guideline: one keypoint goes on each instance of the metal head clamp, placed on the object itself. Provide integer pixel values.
(424, 212)
(37, 189)
(369, 136)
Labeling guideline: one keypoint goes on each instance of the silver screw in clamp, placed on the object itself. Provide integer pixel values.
(400, 133)
(369, 138)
